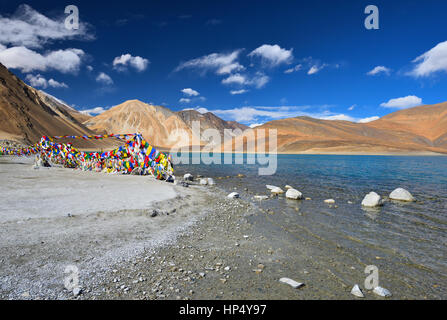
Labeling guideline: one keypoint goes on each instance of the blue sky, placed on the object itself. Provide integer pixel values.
(243, 60)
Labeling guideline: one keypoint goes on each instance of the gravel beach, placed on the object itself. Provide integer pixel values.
(197, 244)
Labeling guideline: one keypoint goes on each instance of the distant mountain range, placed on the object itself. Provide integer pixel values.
(26, 114)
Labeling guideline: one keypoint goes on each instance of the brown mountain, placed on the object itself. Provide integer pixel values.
(26, 114)
(160, 126)
(416, 130)
(209, 120)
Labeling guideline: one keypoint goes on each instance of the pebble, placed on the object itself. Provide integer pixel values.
(291, 283)
(382, 292)
(77, 291)
(329, 201)
(261, 197)
(356, 291)
(233, 195)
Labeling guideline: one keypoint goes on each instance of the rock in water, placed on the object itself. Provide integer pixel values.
(276, 190)
(288, 187)
(329, 201)
(294, 194)
(291, 283)
(372, 199)
(204, 182)
(401, 194)
(382, 292)
(356, 291)
(211, 182)
(233, 195)
(188, 177)
(270, 187)
(261, 197)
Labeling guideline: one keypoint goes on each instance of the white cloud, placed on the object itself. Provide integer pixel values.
(94, 111)
(198, 109)
(316, 68)
(402, 103)
(219, 63)
(339, 117)
(259, 80)
(29, 28)
(294, 69)
(352, 107)
(272, 55)
(379, 69)
(256, 113)
(235, 92)
(26, 60)
(254, 125)
(89, 68)
(104, 79)
(185, 100)
(369, 119)
(432, 61)
(190, 92)
(235, 79)
(138, 63)
(39, 81)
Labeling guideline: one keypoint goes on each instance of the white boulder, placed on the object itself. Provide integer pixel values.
(372, 199)
(382, 292)
(291, 283)
(270, 187)
(288, 187)
(260, 197)
(401, 194)
(356, 291)
(211, 182)
(294, 194)
(188, 177)
(233, 195)
(204, 182)
(276, 190)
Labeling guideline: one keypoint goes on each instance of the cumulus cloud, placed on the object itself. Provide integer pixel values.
(236, 92)
(124, 61)
(403, 102)
(259, 80)
(94, 111)
(39, 81)
(190, 92)
(432, 61)
(235, 79)
(220, 63)
(31, 29)
(272, 55)
(104, 79)
(369, 119)
(26, 60)
(379, 69)
(185, 100)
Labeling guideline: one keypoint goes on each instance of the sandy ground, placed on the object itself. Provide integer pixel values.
(52, 218)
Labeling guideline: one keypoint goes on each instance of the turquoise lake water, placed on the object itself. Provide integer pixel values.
(409, 238)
